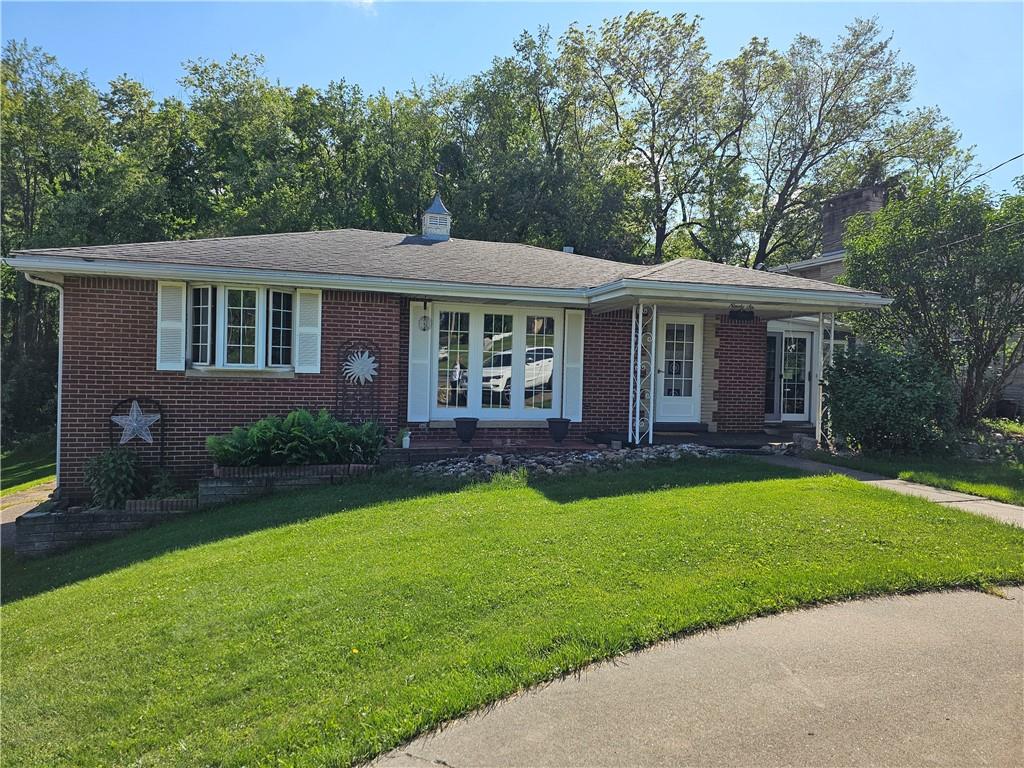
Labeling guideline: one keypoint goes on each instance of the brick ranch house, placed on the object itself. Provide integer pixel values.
(415, 331)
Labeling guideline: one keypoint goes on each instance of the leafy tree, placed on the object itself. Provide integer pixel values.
(953, 263)
(829, 101)
(649, 77)
(53, 143)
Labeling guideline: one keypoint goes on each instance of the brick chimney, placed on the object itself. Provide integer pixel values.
(835, 211)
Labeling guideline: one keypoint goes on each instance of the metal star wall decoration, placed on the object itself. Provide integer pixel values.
(136, 424)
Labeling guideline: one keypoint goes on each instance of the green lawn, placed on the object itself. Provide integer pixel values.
(324, 627)
(1002, 482)
(26, 466)
(1006, 426)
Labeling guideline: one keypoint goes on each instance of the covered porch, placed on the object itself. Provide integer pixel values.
(728, 375)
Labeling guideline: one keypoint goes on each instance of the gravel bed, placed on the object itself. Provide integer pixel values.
(486, 465)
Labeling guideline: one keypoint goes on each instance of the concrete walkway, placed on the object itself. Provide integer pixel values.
(934, 679)
(1007, 513)
(16, 504)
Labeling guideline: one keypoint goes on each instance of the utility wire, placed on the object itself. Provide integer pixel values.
(993, 168)
(971, 237)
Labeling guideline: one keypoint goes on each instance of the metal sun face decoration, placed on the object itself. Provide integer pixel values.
(136, 424)
(360, 367)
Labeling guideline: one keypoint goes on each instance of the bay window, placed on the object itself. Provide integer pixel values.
(496, 363)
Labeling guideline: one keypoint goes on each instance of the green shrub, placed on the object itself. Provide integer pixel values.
(882, 402)
(299, 438)
(113, 477)
(159, 484)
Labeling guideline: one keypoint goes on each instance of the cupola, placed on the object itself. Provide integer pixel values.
(437, 220)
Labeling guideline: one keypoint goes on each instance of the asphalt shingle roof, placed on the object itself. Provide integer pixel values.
(708, 272)
(363, 253)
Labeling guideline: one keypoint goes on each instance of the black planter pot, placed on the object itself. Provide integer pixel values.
(465, 428)
(558, 429)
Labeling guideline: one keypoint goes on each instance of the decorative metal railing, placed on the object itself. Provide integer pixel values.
(641, 373)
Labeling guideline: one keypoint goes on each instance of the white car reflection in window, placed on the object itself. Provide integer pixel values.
(497, 372)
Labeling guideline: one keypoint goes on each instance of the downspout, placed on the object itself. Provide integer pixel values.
(60, 354)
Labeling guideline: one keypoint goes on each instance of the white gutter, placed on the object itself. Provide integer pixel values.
(815, 261)
(90, 266)
(633, 288)
(60, 354)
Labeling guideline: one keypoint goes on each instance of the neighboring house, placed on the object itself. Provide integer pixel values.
(416, 331)
(830, 265)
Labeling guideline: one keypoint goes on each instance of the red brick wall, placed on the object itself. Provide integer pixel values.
(110, 354)
(110, 348)
(739, 379)
(606, 371)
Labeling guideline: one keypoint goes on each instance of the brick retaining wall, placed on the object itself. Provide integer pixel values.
(43, 533)
(238, 483)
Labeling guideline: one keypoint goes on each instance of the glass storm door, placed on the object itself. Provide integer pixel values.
(677, 385)
(796, 375)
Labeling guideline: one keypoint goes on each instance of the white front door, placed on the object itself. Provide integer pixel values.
(796, 376)
(677, 375)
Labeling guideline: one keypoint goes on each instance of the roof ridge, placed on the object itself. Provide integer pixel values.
(656, 268)
(207, 239)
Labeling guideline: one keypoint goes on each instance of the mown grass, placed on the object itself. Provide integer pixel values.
(287, 632)
(1006, 426)
(1002, 481)
(26, 466)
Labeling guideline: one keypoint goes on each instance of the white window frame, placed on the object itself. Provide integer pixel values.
(261, 328)
(211, 350)
(474, 408)
(269, 298)
(218, 322)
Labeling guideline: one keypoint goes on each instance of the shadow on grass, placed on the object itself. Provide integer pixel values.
(23, 578)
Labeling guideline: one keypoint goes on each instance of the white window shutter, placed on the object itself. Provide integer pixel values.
(170, 326)
(420, 386)
(307, 331)
(572, 366)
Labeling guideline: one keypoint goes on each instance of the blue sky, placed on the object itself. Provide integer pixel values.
(969, 56)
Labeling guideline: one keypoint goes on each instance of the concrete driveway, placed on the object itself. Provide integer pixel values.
(935, 679)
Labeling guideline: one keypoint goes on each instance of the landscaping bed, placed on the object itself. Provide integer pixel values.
(326, 626)
(484, 466)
